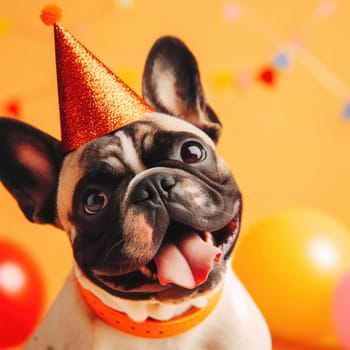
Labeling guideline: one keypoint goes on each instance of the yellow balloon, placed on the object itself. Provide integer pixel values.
(290, 263)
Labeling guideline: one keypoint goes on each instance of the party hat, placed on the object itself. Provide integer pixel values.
(93, 100)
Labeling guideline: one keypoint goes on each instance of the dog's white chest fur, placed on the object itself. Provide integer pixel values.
(236, 323)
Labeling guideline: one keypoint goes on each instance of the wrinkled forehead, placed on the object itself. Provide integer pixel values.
(175, 124)
(129, 142)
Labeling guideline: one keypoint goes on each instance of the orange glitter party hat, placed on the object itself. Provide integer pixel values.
(93, 100)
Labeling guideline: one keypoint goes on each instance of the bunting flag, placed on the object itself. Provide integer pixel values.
(4, 26)
(13, 108)
(267, 76)
(129, 76)
(346, 110)
(231, 12)
(281, 61)
(244, 79)
(223, 80)
(326, 8)
(124, 3)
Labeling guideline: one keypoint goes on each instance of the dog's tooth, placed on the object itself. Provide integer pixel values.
(146, 271)
(208, 237)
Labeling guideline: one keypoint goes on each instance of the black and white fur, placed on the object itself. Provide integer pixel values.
(119, 197)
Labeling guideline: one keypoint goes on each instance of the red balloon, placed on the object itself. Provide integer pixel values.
(341, 311)
(21, 294)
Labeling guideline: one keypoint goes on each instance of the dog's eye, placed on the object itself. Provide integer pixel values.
(95, 202)
(193, 152)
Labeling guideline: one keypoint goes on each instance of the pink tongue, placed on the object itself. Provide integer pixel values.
(186, 263)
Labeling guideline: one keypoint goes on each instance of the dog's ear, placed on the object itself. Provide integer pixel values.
(30, 161)
(171, 84)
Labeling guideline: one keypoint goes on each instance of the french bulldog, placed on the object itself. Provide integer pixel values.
(152, 213)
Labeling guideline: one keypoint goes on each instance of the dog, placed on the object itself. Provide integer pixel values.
(152, 213)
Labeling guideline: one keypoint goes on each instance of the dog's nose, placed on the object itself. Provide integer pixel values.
(154, 188)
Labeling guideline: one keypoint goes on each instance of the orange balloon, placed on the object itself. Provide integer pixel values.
(290, 263)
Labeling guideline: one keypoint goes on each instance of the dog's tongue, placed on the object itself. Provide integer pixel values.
(187, 262)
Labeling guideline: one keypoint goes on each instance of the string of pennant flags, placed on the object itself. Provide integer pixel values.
(267, 74)
(282, 61)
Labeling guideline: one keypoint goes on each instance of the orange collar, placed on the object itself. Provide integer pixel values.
(149, 328)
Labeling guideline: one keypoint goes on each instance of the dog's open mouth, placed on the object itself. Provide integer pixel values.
(185, 259)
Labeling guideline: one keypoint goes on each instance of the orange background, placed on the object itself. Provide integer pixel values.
(287, 144)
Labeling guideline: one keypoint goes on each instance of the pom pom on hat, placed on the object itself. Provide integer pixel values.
(51, 14)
